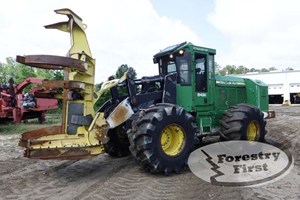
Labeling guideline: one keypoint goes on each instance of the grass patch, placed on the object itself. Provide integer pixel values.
(32, 124)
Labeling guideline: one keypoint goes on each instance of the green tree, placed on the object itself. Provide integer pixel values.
(253, 70)
(289, 69)
(17, 71)
(264, 70)
(58, 75)
(228, 69)
(44, 73)
(122, 90)
(232, 69)
(272, 69)
(217, 69)
(2, 74)
(124, 68)
(242, 70)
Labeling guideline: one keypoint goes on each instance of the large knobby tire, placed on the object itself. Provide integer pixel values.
(118, 144)
(162, 138)
(243, 122)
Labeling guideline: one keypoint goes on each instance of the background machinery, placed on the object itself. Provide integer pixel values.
(17, 106)
(159, 120)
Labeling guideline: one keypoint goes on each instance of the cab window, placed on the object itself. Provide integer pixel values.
(184, 72)
(200, 73)
(171, 67)
(184, 69)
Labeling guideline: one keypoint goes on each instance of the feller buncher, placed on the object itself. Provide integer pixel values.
(159, 120)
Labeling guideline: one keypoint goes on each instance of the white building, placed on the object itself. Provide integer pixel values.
(284, 86)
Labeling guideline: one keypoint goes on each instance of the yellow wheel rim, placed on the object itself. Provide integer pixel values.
(172, 140)
(253, 131)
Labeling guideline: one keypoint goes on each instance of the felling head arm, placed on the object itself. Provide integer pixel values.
(75, 27)
(71, 140)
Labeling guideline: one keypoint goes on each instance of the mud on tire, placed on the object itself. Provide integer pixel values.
(162, 138)
(243, 122)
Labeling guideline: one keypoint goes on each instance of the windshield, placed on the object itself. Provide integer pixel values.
(179, 64)
(171, 67)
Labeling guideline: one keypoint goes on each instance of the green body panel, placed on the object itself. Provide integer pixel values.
(185, 99)
(208, 100)
(228, 92)
(257, 94)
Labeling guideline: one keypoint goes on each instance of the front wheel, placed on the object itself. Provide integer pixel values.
(162, 138)
(118, 144)
(243, 122)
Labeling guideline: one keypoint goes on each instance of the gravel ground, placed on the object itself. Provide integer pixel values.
(107, 178)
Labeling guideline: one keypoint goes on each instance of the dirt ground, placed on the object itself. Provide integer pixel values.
(107, 178)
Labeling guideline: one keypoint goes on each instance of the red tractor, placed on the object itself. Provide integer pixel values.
(17, 106)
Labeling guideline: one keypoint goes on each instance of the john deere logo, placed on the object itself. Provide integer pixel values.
(240, 163)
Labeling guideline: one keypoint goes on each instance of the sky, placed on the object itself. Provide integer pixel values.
(252, 33)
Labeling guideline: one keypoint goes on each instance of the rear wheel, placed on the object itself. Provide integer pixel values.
(243, 122)
(162, 138)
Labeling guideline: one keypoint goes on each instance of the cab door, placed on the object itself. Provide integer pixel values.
(184, 86)
(203, 75)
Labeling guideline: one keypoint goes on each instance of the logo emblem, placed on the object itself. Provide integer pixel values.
(240, 163)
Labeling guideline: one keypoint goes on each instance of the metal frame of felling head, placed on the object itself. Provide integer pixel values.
(81, 134)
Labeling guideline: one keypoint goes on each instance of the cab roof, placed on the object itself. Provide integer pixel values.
(174, 48)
